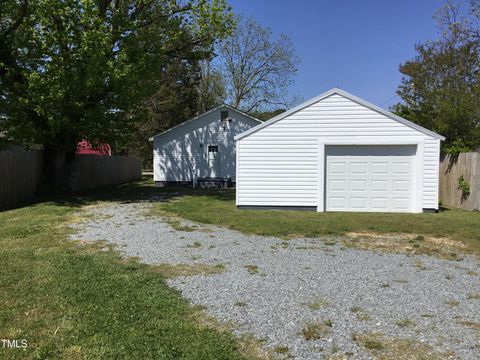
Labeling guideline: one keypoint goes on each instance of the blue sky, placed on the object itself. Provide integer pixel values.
(356, 45)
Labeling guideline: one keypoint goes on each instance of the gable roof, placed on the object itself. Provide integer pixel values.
(345, 95)
(201, 115)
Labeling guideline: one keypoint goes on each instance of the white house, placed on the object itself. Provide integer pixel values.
(202, 147)
(338, 152)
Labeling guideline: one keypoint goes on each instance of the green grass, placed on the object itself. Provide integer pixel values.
(69, 300)
(219, 208)
(282, 349)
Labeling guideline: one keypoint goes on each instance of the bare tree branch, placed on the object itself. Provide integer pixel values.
(257, 69)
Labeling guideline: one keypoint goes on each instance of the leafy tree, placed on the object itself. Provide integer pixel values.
(84, 69)
(257, 69)
(441, 85)
(175, 101)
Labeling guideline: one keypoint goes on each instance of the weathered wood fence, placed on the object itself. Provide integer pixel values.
(21, 173)
(466, 165)
(92, 171)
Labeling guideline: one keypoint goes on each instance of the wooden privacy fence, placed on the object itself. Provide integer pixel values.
(452, 168)
(20, 174)
(92, 171)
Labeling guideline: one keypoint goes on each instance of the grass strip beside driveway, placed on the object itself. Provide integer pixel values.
(73, 301)
(219, 208)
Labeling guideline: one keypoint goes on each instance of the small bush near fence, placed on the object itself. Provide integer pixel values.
(21, 173)
(460, 181)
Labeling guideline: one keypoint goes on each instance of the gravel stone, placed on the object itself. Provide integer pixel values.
(296, 273)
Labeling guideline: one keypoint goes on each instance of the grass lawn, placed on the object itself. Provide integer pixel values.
(72, 301)
(219, 208)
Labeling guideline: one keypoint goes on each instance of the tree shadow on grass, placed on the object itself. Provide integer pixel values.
(143, 190)
(220, 194)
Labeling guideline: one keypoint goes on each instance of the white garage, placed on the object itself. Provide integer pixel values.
(338, 152)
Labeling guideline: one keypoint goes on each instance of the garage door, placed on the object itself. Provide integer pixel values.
(370, 178)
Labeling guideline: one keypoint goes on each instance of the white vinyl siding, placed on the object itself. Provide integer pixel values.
(431, 156)
(181, 154)
(279, 163)
(278, 172)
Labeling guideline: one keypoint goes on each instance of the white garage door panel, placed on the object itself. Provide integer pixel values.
(369, 178)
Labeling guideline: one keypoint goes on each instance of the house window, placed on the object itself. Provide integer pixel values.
(212, 148)
(224, 115)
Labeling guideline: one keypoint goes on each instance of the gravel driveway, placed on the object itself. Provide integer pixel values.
(276, 289)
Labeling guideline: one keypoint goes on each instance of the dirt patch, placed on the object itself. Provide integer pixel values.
(470, 325)
(316, 331)
(252, 269)
(248, 346)
(410, 244)
(383, 348)
(92, 246)
(176, 222)
(85, 242)
(360, 313)
(97, 205)
(446, 242)
(252, 348)
(174, 270)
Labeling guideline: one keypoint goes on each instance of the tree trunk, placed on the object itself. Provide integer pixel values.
(58, 168)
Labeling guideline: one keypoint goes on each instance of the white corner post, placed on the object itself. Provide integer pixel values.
(321, 177)
(237, 182)
(419, 171)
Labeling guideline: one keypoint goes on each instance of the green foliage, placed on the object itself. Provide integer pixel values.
(464, 187)
(79, 69)
(441, 85)
(456, 147)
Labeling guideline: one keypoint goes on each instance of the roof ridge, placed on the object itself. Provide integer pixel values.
(350, 97)
(201, 115)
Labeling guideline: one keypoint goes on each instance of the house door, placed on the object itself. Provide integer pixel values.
(213, 161)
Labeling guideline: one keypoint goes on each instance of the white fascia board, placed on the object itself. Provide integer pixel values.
(350, 97)
(201, 115)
